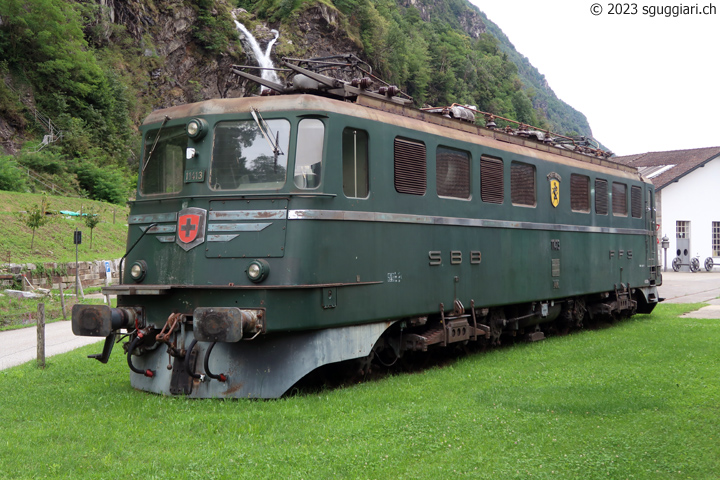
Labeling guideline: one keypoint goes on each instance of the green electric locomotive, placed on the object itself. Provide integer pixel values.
(272, 235)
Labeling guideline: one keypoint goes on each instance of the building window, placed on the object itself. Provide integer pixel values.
(492, 188)
(636, 202)
(522, 184)
(716, 239)
(619, 199)
(355, 163)
(601, 196)
(682, 229)
(452, 173)
(410, 167)
(580, 193)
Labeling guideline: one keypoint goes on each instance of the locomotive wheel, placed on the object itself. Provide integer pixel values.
(676, 263)
(694, 265)
(709, 264)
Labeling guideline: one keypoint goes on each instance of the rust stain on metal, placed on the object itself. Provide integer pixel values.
(261, 214)
(233, 389)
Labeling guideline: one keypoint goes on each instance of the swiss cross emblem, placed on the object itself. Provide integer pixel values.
(191, 227)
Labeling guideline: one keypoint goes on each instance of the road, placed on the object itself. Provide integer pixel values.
(700, 287)
(691, 287)
(20, 346)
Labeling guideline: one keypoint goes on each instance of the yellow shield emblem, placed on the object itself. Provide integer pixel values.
(554, 192)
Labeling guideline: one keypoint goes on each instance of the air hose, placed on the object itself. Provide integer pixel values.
(148, 372)
(220, 377)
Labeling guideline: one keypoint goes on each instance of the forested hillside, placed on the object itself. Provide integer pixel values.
(79, 75)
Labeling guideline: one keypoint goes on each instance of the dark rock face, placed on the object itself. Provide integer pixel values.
(322, 34)
(186, 73)
(8, 135)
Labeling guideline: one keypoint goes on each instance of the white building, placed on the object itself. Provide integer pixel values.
(687, 192)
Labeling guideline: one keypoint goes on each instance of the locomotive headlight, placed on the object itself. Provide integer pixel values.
(258, 271)
(138, 270)
(197, 128)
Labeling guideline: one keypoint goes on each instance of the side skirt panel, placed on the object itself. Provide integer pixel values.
(261, 368)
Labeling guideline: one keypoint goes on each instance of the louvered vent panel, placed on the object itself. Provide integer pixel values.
(522, 184)
(491, 180)
(636, 201)
(453, 173)
(410, 167)
(579, 193)
(601, 197)
(619, 199)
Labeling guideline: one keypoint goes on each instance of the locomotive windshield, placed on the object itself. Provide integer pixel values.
(244, 158)
(164, 160)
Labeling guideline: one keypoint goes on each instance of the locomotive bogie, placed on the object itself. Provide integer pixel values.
(275, 235)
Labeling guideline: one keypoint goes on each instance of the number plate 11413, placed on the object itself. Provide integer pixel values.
(194, 176)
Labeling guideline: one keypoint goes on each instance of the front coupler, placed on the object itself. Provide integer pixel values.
(102, 321)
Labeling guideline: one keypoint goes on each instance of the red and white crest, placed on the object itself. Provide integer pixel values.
(188, 227)
(191, 227)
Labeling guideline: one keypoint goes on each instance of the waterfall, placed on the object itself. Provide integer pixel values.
(262, 58)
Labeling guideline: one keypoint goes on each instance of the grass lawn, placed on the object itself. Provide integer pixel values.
(54, 241)
(640, 400)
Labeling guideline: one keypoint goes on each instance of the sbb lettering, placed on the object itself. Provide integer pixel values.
(455, 257)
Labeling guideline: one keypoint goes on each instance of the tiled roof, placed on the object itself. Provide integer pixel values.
(663, 168)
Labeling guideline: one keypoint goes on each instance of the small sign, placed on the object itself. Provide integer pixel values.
(194, 176)
(77, 238)
(107, 279)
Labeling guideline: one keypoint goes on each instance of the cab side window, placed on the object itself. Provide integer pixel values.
(309, 153)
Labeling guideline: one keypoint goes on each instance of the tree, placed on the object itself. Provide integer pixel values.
(91, 221)
(36, 217)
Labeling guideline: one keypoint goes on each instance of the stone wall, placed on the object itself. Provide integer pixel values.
(92, 274)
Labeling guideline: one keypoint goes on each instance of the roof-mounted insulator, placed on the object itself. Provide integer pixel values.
(490, 121)
(363, 83)
(390, 90)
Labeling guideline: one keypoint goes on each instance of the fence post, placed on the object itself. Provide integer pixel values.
(62, 299)
(41, 336)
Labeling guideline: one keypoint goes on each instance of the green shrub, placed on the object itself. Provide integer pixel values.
(108, 183)
(12, 178)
